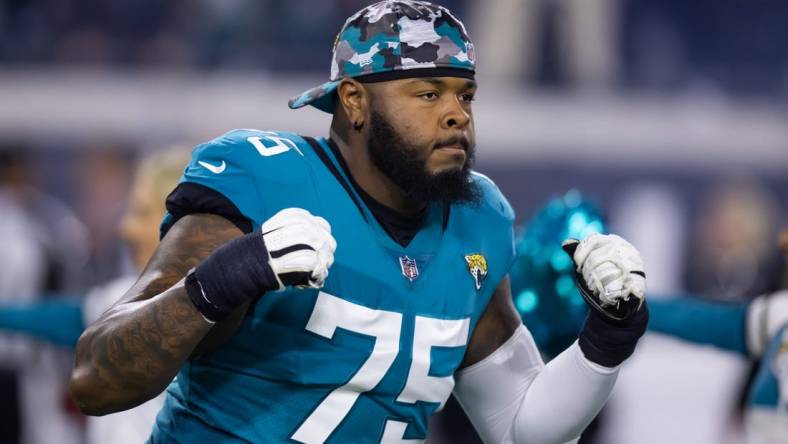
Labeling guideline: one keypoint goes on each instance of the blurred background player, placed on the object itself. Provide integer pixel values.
(757, 329)
(60, 321)
(43, 248)
(720, 249)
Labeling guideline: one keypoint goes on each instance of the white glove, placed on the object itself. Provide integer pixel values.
(300, 246)
(611, 269)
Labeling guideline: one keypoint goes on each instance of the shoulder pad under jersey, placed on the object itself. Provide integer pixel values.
(245, 165)
(492, 199)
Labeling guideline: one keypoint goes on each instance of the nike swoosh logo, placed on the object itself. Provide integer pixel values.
(215, 169)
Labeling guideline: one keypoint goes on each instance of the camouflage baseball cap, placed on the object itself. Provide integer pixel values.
(395, 39)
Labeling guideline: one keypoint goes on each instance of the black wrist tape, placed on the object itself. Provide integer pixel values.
(200, 301)
(235, 273)
(610, 342)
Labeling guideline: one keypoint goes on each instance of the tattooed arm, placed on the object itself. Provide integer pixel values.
(136, 348)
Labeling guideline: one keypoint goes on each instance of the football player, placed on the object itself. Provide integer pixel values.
(340, 289)
(61, 320)
(757, 329)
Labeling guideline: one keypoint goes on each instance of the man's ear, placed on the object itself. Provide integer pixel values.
(353, 98)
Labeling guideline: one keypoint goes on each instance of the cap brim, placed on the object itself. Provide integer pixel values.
(322, 97)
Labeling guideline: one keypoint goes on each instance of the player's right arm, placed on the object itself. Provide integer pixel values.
(133, 351)
(204, 272)
(197, 287)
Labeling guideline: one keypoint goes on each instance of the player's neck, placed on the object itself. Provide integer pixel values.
(376, 184)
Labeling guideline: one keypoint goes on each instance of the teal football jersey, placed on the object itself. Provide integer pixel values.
(370, 356)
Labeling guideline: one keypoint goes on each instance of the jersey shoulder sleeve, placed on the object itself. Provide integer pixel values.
(232, 174)
(493, 202)
(247, 157)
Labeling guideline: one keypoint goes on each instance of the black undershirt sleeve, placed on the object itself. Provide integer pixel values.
(190, 198)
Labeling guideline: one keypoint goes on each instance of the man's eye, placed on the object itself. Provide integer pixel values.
(467, 97)
(429, 96)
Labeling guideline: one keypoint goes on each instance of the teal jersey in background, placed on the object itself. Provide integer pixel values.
(370, 356)
(725, 325)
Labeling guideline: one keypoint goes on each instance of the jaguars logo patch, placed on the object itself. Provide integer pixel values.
(477, 266)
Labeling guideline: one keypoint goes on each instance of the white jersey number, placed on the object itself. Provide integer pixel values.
(274, 144)
(330, 313)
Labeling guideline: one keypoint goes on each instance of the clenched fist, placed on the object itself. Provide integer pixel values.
(294, 248)
(301, 247)
(610, 274)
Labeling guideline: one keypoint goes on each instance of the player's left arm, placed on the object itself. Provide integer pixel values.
(505, 388)
(497, 324)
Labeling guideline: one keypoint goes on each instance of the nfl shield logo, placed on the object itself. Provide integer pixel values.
(409, 268)
(470, 52)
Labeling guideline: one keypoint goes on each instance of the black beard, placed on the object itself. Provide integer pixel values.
(394, 157)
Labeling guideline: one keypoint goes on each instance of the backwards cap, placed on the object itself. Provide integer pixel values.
(393, 40)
